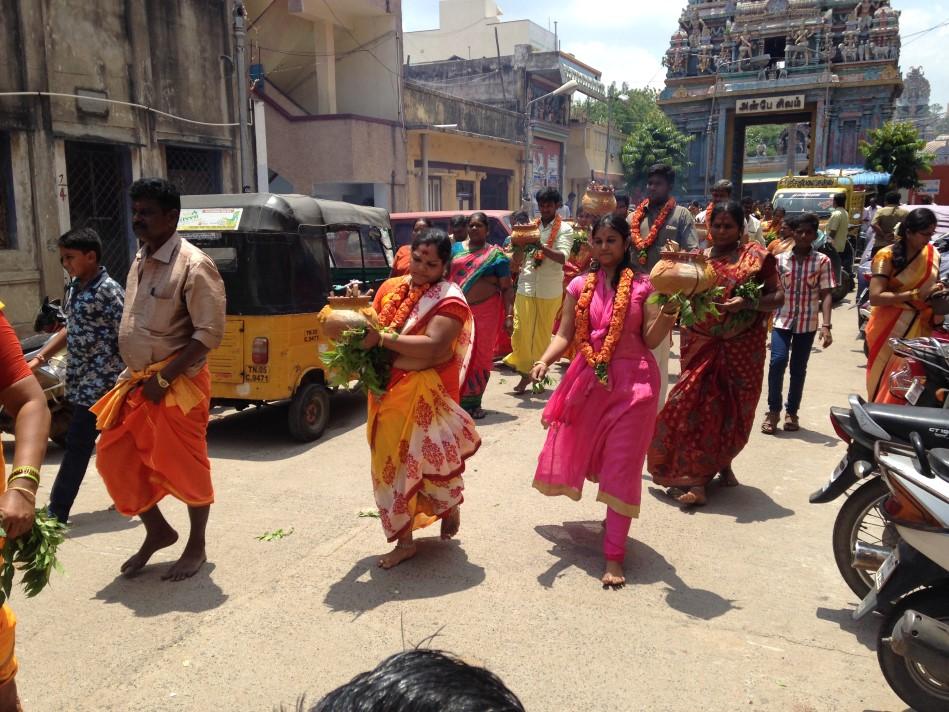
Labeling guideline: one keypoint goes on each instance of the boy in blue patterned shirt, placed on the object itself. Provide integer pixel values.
(93, 307)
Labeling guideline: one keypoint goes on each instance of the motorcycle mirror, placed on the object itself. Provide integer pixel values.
(921, 454)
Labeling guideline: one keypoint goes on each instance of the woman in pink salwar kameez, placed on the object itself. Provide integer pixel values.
(600, 419)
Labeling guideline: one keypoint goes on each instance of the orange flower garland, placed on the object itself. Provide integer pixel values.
(554, 231)
(396, 310)
(600, 360)
(641, 245)
(708, 221)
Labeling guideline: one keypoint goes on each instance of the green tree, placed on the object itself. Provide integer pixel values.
(653, 140)
(768, 134)
(896, 149)
(638, 106)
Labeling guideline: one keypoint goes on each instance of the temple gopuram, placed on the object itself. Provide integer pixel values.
(827, 69)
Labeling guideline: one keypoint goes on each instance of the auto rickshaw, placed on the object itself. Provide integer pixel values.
(276, 254)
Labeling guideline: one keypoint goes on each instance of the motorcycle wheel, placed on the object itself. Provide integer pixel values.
(915, 685)
(59, 424)
(859, 519)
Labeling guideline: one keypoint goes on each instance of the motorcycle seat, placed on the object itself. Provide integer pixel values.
(939, 462)
(899, 421)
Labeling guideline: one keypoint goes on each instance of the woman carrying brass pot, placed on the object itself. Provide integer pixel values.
(710, 411)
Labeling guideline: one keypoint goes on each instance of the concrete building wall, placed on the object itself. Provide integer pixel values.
(466, 29)
(159, 53)
(367, 83)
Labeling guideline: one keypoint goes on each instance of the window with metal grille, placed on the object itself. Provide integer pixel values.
(196, 171)
(7, 219)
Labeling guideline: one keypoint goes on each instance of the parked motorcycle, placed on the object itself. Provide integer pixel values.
(911, 587)
(923, 377)
(862, 537)
(51, 375)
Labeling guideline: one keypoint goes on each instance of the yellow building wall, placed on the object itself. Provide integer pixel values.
(467, 153)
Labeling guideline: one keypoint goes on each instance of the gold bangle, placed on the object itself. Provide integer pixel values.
(23, 476)
(30, 493)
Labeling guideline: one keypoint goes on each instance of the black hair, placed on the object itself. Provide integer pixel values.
(480, 216)
(163, 192)
(458, 221)
(792, 221)
(783, 211)
(84, 239)
(422, 681)
(918, 219)
(622, 198)
(439, 239)
(619, 224)
(695, 204)
(425, 221)
(840, 200)
(893, 198)
(520, 217)
(733, 208)
(664, 171)
(748, 200)
(808, 219)
(723, 184)
(548, 195)
(869, 200)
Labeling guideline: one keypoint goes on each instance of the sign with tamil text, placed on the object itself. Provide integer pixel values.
(770, 104)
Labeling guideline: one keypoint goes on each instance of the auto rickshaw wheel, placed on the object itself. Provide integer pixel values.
(309, 412)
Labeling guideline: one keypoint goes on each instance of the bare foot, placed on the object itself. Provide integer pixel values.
(614, 577)
(187, 566)
(401, 552)
(695, 497)
(152, 543)
(522, 385)
(675, 492)
(478, 413)
(727, 477)
(451, 523)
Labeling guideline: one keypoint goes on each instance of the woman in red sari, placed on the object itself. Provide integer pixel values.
(483, 272)
(419, 436)
(709, 414)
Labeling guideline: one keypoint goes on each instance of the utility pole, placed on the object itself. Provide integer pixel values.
(240, 47)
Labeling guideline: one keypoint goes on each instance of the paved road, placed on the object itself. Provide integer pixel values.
(734, 606)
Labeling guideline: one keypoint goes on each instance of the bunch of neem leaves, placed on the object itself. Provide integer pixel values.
(34, 554)
(692, 310)
(751, 291)
(580, 238)
(347, 361)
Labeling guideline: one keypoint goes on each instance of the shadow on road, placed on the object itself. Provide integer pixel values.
(810, 436)
(494, 417)
(261, 435)
(440, 568)
(147, 595)
(745, 503)
(580, 544)
(865, 631)
(105, 520)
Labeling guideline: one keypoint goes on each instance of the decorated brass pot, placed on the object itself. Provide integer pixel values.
(342, 313)
(598, 199)
(684, 272)
(523, 235)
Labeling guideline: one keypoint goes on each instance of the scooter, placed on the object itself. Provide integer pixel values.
(923, 377)
(911, 588)
(862, 538)
(51, 375)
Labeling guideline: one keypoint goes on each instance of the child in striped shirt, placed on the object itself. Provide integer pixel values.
(808, 280)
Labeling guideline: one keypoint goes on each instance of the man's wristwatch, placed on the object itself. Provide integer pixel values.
(161, 381)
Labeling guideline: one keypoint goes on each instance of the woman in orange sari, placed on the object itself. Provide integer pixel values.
(418, 433)
(709, 413)
(904, 276)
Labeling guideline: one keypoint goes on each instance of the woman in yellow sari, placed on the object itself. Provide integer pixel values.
(418, 433)
(904, 276)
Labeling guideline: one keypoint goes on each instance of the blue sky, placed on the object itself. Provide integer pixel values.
(625, 39)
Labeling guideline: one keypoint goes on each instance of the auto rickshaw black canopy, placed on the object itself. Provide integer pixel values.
(272, 254)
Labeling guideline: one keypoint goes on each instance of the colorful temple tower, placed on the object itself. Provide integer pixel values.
(828, 69)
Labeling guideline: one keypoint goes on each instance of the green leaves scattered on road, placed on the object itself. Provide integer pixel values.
(34, 554)
(368, 514)
(275, 534)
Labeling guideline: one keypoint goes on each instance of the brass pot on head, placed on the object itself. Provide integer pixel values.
(598, 199)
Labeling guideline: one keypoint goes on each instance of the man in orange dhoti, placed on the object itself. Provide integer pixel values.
(154, 422)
